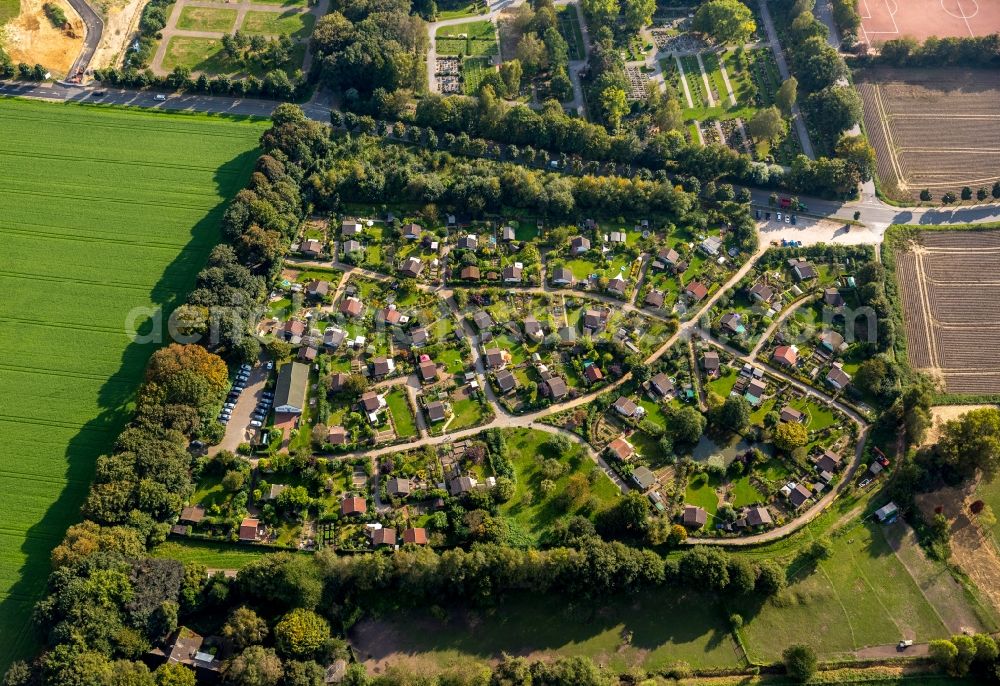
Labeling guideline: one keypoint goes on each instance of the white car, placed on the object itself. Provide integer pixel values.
(159, 97)
(270, 365)
(256, 424)
(778, 215)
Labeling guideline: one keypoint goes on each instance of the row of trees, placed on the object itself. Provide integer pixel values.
(970, 51)
(276, 83)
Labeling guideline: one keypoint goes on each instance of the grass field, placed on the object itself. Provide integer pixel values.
(292, 23)
(212, 555)
(665, 628)
(8, 10)
(105, 211)
(572, 492)
(206, 19)
(206, 55)
(402, 415)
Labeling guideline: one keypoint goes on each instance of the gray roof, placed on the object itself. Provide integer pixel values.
(290, 390)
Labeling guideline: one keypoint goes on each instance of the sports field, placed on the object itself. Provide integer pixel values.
(104, 212)
(883, 20)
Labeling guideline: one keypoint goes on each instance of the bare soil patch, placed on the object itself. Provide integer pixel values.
(932, 128)
(945, 413)
(949, 287)
(31, 38)
(121, 25)
(972, 550)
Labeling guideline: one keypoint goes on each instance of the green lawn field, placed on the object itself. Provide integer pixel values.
(206, 55)
(8, 10)
(292, 23)
(207, 19)
(107, 216)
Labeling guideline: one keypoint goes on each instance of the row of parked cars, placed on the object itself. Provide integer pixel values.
(242, 376)
(239, 384)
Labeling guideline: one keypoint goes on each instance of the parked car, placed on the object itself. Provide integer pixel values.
(256, 424)
(904, 644)
(223, 420)
(788, 219)
(270, 365)
(882, 460)
(778, 215)
(864, 483)
(229, 406)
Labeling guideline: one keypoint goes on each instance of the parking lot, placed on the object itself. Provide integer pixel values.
(238, 428)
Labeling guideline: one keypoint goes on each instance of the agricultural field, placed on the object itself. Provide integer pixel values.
(8, 10)
(947, 288)
(932, 129)
(107, 215)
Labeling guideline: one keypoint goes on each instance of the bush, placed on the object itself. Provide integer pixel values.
(800, 662)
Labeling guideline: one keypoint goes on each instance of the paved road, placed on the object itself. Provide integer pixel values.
(94, 30)
(779, 55)
(238, 428)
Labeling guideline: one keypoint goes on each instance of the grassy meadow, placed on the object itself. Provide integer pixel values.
(108, 214)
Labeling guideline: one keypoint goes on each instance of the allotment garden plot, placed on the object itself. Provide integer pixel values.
(932, 129)
(465, 52)
(720, 92)
(950, 290)
(104, 212)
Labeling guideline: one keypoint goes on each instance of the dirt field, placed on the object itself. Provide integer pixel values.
(932, 129)
(883, 20)
(121, 25)
(949, 285)
(31, 38)
(972, 550)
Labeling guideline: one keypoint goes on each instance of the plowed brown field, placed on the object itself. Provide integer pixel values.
(949, 283)
(933, 129)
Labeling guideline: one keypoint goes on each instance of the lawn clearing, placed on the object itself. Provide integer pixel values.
(206, 55)
(691, 628)
(292, 23)
(581, 480)
(109, 211)
(402, 415)
(861, 596)
(212, 555)
(8, 10)
(569, 27)
(206, 19)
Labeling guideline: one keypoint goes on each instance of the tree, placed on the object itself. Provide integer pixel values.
(174, 674)
(966, 193)
(686, 425)
(981, 193)
(856, 151)
(245, 628)
(734, 414)
(771, 578)
(971, 443)
(949, 197)
(728, 22)
(767, 124)
(925, 195)
(944, 653)
(531, 53)
(599, 12)
(255, 666)
(615, 105)
(995, 192)
(628, 517)
(833, 110)
(800, 662)
(637, 13)
(301, 634)
(787, 95)
(790, 435)
(510, 72)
